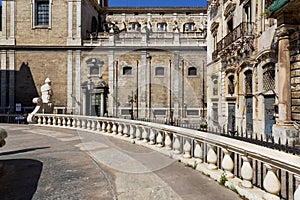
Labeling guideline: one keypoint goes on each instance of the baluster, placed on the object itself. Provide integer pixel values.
(120, 129)
(109, 127)
(271, 182)
(168, 141)
(227, 163)
(247, 172)
(64, 121)
(187, 148)
(212, 158)
(54, 121)
(68, 122)
(297, 192)
(176, 144)
(98, 126)
(103, 126)
(49, 121)
(152, 136)
(39, 120)
(138, 133)
(44, 121)
(59, 121)
(93, 125)
(114, 128)
(159, 139)
(145, 135)
(74, 122)
(88, 124)
(198, 151)
(125, 130)
(131, 131)
(78, 123)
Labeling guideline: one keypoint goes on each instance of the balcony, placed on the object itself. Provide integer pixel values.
(243, 30)
(137, 38)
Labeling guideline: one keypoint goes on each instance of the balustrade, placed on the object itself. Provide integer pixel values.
(216, 154)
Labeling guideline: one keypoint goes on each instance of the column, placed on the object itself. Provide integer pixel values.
(78, 80)
(3, 81)
(102, 110)
(284, 73)
(70, 81)
(110, 83)
(11, 89)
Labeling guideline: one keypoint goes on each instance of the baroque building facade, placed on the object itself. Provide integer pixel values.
(251, 71)
(123, 62)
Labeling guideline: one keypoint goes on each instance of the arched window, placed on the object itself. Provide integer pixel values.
(269, 77)
(231, 84)
(192, 71)
(248, 82)
(127, 70)
(159, 71)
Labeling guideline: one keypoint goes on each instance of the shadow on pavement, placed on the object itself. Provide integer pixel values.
(19, 178)
(22, 151)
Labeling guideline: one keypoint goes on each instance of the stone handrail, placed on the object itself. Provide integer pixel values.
(247, 167)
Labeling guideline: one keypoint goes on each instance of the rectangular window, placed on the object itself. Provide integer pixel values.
(215, 112)
(192, 112)
(42, 13)
(159, 112)
(125, 112)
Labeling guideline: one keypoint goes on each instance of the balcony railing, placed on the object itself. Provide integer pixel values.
(268, 3)
(258, 171)
(151, 39)
(242, 30)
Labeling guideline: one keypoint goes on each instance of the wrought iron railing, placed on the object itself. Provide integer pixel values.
(214, 55)
(242, 30)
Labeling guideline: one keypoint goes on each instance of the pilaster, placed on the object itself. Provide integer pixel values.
(70, 81)
(3, 81)
(176, 79)
(111, 83)
(142, 77)
(11, 89)
(78, 80)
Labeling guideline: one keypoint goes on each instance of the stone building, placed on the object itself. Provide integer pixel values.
(101, 60)
(251, 87)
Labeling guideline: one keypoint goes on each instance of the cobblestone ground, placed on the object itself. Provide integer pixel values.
(52, 163)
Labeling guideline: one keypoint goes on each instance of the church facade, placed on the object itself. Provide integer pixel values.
(123, 62)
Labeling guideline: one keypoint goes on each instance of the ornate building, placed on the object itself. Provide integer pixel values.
(140, 62)
(250, 86)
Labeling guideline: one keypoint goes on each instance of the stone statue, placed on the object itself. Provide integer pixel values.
(175, 27)
(46, 91)
(44, 103)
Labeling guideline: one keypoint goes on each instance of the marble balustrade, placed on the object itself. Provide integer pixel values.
(275, 172)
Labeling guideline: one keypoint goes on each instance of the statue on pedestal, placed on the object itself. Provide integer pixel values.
(44, 103)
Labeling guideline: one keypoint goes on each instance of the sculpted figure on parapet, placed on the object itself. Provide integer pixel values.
(44, 103)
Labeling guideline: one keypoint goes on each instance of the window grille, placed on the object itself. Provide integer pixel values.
(248, 82)
(269, 77)
(42, 13)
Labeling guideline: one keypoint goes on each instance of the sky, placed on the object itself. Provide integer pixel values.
(156, 3)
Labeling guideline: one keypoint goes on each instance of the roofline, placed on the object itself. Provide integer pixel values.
(155, 9)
